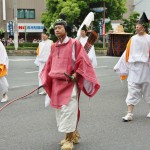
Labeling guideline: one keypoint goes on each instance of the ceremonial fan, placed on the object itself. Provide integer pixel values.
(92, 36)
(87, 21)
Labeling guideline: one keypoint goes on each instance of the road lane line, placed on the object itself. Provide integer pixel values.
(98, 57)
(15, 60)
(31, 72)
(101, 67)
(14, 87)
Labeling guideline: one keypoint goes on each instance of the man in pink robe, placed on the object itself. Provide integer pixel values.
(68, 56)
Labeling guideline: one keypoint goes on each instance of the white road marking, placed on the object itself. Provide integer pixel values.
(21, 59)
(13, 87)
(31, 72)
(101, 67)
(110, 57)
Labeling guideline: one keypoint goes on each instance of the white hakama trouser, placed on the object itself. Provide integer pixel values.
(66, 117)
(138, 80)
(138, 83)
(41, 66)
(3, 85)
(136, 92)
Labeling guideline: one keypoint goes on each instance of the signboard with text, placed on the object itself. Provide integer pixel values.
(11, 28)
(100, 27)
(103, 28)
(29, 27)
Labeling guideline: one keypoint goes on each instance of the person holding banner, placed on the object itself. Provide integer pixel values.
(83, 39)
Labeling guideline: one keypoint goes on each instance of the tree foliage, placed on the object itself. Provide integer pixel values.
(129, 24)
(76, 10)
(2, 31)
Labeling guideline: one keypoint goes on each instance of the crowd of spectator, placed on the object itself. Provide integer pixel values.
(10, 41)
(7, 42)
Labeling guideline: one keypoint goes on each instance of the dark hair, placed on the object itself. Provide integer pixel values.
(84, 28)
(45, 31)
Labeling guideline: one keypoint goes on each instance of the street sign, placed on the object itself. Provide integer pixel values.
(11, 28)
(107, 20)
(99, 9)
(100, 28)
(103, 28)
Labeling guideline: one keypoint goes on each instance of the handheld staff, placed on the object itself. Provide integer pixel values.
(67, 75)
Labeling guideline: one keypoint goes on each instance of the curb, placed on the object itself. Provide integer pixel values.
(21, 52)
(33, 52)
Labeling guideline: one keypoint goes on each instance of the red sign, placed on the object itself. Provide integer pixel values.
(21, 27)
(103, 28)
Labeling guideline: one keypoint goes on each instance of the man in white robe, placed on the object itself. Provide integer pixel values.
(83, 39)
(43, 53)
(135, 63)
(3, 73)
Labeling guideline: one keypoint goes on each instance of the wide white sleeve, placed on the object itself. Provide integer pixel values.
(92, 56)
(122, 67)
(3, 55)
(36, 62)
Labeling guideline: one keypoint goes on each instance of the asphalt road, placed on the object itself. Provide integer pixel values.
(28, 125)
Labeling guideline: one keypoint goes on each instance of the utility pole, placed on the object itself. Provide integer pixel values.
(104, 43)
(15, 25)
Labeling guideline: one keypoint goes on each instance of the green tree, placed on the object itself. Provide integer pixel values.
(129, 24)
(2, 31)
(76, 11)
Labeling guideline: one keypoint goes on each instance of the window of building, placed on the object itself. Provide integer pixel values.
(26, 13)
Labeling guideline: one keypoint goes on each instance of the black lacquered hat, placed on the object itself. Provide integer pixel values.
(144, 20)
(61, 21)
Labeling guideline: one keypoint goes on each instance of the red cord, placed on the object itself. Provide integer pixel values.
(19, 98)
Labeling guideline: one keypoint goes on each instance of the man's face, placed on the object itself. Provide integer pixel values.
(83, 33)
(44, 36)
(140, 29)
(60, 31)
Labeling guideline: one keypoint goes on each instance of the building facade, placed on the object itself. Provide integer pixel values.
(141, 6)
(28, 17)
(130, 9)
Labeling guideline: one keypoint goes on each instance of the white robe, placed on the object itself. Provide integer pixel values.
(91, 53)
(4, 61)
(137, 68)
(44, 52)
